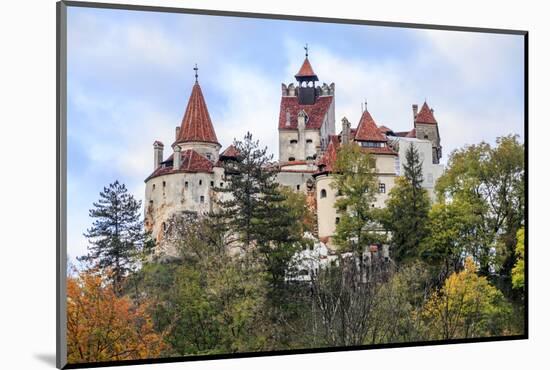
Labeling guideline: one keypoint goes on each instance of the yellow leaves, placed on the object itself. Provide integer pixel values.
(466, 306)
(518, 272)
(104, 327)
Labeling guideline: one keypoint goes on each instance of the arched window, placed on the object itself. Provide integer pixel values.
(323, 193)
(425, 136)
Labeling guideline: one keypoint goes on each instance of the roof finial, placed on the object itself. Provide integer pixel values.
(365, 103)
(196, 69)
(306, 48)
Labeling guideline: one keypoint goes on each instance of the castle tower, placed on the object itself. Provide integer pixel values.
(426, 128)
(184, 181)
(306, 116)
(196, 130)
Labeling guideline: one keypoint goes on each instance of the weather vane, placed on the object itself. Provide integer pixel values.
(196, 69)
(306, 49)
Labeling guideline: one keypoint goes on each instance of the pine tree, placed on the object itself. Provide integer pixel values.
(116, 237)
(407, 209)
(255, 212)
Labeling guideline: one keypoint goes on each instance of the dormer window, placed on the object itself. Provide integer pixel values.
(309, 141)
(372, 144)
(293, 141)
(291, 159)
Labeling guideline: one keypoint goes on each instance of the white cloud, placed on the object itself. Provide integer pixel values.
(252, 105)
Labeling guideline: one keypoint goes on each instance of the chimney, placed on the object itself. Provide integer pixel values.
(302, 119)
(177, 157)
(345, 131)
(415, 110)
(177, 132)
(287, 121)
(158, 148)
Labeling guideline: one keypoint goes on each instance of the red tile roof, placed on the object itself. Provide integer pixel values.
(382, 150)
(191, 161)
(196, 124)
(425, 115)
(316, 112)
(306, 70)
(367, 129)
(327, 161)
(411, 133)
(230, 152)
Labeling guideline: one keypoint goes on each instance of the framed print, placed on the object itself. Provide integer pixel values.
(234, 184)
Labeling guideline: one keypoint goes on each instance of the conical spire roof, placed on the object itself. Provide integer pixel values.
(425, 115)
(196, 124)
(306, 71)
(367, 129)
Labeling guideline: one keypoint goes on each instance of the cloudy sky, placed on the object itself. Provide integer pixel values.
(130, 75)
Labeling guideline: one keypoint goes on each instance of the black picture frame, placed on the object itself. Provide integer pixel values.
(61, 175)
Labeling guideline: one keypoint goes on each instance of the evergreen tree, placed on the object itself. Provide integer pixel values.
(407, 209)
(254, 211)
(116, 237)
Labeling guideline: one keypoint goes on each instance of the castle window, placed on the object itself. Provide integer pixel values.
(381, 188)
(186, 185)
(212, 183)
(208, 156)
(200, 182)
(150, 203)
(202, 199)
(154, 186)
(337, 220)
(221, 184)
(309, 141)
(164, 184)
(164, 227)
(339, 193)
(323, 193)
(371, 144)
(309, 158)
(430, 178)
(425, 136)
(298, 187)
(293, 141)
(291, 159)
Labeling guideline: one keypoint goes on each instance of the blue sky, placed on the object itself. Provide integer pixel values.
(130, 75)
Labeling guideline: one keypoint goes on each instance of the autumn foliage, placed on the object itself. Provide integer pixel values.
(104, 327)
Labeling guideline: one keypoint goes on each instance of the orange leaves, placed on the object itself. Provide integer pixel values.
(104, 327)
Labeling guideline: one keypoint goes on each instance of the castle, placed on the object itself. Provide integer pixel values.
(308, 145)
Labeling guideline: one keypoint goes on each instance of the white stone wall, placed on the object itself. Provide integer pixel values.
(294, 180)
(326, 213)
(296, 150)
(431, 172)
(177, 192)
